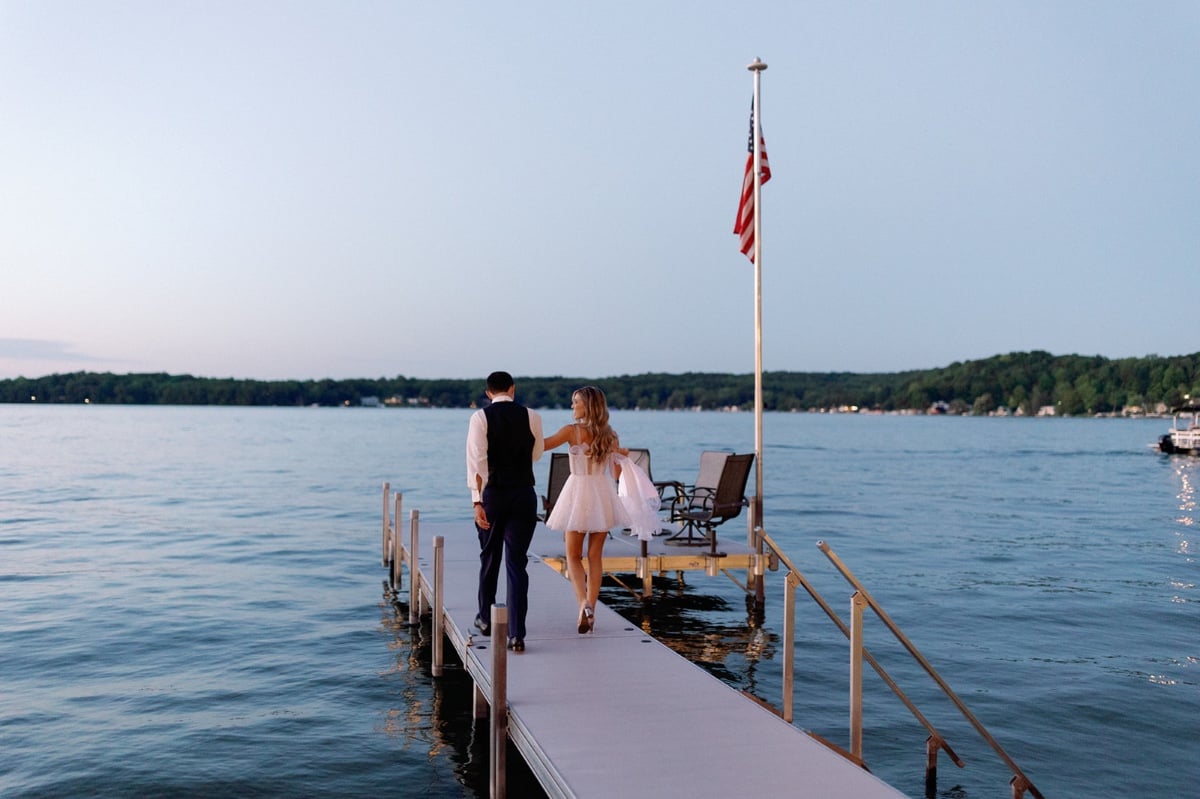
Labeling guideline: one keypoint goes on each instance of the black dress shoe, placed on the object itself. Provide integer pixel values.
(486, 629)
(516, 644)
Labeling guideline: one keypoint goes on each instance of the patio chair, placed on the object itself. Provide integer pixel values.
(641, 459)
(668, 490)
(675, 495)
(704, 508)
(560, 470)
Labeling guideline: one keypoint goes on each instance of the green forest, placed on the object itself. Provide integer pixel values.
(1023, 383)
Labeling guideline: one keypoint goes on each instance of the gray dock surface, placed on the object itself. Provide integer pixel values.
(617, 711)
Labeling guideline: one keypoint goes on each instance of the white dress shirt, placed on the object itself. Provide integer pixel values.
(477, 464)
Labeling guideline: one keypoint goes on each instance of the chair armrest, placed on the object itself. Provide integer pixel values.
(668, 490)
(694, 501)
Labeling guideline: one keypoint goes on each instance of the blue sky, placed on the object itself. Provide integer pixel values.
(365, 189)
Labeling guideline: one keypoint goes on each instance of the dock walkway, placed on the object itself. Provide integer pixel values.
(618, 711)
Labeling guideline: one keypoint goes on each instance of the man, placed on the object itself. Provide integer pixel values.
(503, 441)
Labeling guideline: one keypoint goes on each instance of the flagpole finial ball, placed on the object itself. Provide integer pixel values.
(757, 65)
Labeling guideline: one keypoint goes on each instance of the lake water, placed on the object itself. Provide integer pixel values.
(191, 599)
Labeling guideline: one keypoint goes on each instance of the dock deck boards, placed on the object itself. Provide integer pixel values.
(617, 710)
(622, 551)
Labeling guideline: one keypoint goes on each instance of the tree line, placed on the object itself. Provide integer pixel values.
(1021, 382)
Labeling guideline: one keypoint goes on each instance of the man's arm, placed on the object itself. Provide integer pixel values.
(539, 441)
(477, 454)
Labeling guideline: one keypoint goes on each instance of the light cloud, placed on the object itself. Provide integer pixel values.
(36, 349)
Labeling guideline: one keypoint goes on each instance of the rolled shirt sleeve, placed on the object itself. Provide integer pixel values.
(539, 440)
(477, 465)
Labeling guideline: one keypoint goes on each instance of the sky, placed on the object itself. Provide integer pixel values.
(305, 190)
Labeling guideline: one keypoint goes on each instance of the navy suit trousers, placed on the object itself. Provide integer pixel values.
(513, 515)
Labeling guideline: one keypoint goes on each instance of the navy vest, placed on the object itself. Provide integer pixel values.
(510, 445)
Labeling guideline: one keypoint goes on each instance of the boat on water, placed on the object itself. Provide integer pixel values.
(1184, 437)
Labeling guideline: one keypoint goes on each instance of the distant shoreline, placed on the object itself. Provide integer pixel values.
(1017, 384)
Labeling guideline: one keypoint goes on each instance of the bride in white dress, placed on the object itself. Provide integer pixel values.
(588, 506)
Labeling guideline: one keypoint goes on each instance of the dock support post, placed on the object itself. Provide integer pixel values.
(857, 603)
(397, 547)
(789, 643)
(754, 577)
(932, 745)
(414, 588)
(479, 706)
(645, 573)
(498, 738)
(439, 574)
(751, 539)
(387, 556)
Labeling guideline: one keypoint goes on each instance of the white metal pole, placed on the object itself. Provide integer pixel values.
(397, 546)
(414, 573)
(757, 67)
(439, 593)
(498, 729)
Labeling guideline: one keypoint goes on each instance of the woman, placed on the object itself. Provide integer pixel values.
(588, 506)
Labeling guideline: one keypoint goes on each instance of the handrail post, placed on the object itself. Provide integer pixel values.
(777, 556)
(414, 587)
(932, 745)
(397, 547)
(857, 603)
(439, 573)
(386, 489)
(498, 734)
(1020, 781)
(789, 643)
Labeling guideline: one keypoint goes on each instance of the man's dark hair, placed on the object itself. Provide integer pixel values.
(499, 381)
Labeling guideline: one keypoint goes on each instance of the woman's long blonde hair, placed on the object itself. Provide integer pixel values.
(595, 421)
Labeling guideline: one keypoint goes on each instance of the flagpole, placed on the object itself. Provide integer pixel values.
(757, 67)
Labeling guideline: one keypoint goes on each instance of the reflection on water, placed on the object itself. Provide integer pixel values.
(1184, 470)
(409, 721)
(708, 629)
(1187, 504)
(436, 716)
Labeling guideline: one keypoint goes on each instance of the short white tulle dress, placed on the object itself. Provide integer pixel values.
(588, 501)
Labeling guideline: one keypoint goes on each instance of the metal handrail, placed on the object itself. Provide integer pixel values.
(795, 575)
(1020, 781)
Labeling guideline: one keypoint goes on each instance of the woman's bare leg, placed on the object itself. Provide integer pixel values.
(575, 572)
(595, 567)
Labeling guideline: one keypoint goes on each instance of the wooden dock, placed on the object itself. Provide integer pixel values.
(616, 710)
(623, 554)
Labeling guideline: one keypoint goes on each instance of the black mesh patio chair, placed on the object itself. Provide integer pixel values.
(560, 470)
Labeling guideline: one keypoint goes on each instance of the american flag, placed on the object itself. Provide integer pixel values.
(744, 224)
